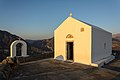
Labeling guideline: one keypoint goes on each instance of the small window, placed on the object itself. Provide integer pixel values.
(104, 45)
(82, 29)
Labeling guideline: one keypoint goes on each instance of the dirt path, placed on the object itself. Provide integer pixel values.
(114, 65)
(50, 69)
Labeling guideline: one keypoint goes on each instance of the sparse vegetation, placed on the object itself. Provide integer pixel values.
(50, 69)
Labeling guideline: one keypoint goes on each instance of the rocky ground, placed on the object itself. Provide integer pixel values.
(50, 69)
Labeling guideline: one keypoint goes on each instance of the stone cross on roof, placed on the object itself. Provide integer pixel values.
(70, 14)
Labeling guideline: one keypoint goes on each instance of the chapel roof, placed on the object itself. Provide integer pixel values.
(89, 24)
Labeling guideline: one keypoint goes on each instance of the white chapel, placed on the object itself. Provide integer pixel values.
(82, 42)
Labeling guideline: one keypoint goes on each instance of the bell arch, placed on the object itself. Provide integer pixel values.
(13, 48)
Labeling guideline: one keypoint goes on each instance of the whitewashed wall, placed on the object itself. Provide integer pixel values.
(99, 37)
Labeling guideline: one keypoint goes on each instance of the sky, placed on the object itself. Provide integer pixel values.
(37, 19)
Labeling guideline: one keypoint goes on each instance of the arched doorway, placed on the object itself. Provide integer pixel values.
(69, 47)
(19, 49)
(23, 49)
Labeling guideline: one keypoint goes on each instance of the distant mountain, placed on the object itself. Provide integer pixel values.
(116, 42)
(6, 39)
(116, 36)
(44, 45)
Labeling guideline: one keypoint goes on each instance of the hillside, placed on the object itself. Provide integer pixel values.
(44, 45)
(116, 36)
(6, 39)
(116, 42)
